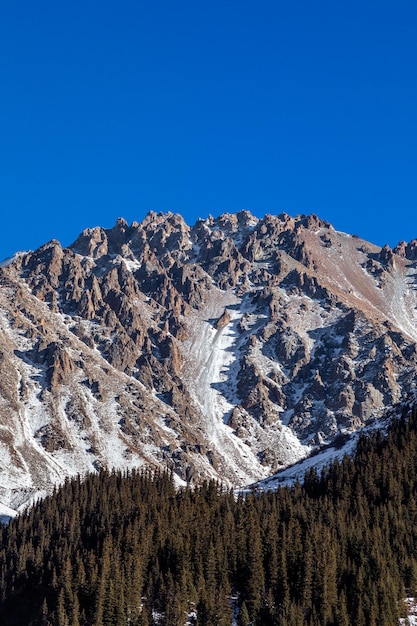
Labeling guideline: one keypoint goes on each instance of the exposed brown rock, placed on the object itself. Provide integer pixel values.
(223, 320)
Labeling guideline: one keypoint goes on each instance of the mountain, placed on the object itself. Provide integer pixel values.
(228, 350)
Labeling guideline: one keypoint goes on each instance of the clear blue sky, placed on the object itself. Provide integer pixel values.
(112, 109)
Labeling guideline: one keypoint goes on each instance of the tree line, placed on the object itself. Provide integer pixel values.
(117, 548)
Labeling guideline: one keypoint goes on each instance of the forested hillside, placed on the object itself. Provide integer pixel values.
(117, 548)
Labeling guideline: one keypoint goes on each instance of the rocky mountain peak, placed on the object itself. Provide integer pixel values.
(230, 348)
(92, 242)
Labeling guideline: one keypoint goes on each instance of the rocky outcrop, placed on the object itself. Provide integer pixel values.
(223, 320)
(407, 250)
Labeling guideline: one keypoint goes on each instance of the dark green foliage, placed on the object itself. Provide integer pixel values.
(115, 549)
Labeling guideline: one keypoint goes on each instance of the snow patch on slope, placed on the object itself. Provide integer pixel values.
(211, 376)
(320, 459)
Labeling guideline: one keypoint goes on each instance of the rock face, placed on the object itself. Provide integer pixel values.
(228, 349)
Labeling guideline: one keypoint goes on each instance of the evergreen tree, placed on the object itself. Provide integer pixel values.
(243, 618)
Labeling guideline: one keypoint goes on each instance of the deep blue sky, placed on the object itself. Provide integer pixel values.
(112, 109)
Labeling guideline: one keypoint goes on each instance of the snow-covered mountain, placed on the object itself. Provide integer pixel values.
(230, 349)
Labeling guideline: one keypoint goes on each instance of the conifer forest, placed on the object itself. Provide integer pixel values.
(129, 548)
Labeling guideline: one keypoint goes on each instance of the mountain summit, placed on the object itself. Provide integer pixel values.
(229, 349)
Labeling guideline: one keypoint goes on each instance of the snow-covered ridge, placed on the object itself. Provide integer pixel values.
(10, 260)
